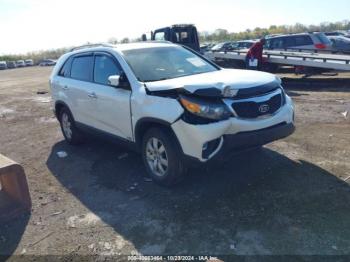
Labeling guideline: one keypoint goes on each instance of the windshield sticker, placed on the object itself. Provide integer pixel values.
(196, 61)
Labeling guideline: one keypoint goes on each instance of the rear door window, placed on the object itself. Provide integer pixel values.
(105, 66)
(303, 40)
(246, 45)
(277, 43)
(289, 41)
(82, 68)
(235, 46)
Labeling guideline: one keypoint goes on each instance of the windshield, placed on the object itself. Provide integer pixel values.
(160, 63)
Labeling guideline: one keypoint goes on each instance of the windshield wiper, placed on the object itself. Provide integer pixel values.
(159, 79)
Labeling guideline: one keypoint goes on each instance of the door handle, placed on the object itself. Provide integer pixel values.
(65, 87)
(92, 95)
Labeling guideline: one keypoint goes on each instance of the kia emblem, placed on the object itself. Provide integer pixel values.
(264, 108)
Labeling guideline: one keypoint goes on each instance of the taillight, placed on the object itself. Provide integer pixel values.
(320, 46)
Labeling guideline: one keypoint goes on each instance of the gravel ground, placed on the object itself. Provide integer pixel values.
(290, 198)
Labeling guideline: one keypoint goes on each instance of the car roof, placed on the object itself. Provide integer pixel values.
(339, 37)
(142, 45)
(121, 47)
(247, 41)
(288, 35)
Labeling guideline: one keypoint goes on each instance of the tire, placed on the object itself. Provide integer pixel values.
(71, 133)
(159, 145)
(256, 149)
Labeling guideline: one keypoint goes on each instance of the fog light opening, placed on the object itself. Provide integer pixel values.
(210, 147)
(205, 147)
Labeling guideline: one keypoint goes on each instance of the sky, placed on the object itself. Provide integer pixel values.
(31, 25)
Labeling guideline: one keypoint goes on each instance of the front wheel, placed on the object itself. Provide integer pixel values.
(162, 157)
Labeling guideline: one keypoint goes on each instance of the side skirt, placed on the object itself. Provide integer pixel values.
(91, 131)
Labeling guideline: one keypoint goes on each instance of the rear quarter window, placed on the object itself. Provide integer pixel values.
(65, 70)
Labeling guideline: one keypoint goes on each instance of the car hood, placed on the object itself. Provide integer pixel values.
(217, 80)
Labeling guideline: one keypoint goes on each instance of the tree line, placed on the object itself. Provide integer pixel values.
(37, 56)
(218, 35)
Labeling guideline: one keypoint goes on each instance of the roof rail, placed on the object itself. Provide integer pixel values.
(91, 45)
(182, 25)
(158, 41)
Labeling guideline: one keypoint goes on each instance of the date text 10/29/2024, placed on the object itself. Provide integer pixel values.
(172, 258)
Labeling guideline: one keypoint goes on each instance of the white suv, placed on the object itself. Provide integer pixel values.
(168, 102)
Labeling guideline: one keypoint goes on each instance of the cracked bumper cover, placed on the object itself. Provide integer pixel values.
(234, 134)
(246, 140)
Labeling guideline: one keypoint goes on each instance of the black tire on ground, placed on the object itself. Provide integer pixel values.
(175, 169)
(76, 136)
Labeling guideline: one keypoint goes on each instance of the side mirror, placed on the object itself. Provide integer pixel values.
(114, 80)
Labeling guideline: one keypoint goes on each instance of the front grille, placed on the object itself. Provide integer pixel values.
(253, 109)
(256, 91)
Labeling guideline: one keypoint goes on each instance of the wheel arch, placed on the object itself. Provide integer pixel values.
(58, 107)
(146, 123)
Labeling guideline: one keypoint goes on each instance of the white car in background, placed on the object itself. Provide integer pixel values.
(29, 62)
(20, 63)
(167, 102)
(340, 43)
(47, 62)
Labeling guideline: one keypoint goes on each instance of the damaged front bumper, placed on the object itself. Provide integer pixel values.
(251, 139)
(203, 142)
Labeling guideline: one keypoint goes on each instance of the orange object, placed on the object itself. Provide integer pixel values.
(192, 107)
(14, 193)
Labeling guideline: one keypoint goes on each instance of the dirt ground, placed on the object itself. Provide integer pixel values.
(291, 198)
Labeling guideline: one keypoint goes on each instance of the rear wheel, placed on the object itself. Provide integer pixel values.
(162, 157)
(70, 132)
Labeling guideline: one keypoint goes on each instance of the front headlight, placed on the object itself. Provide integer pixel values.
(206, 109)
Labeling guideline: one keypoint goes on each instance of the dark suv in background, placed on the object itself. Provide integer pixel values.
(303, 41)
(11, 64)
